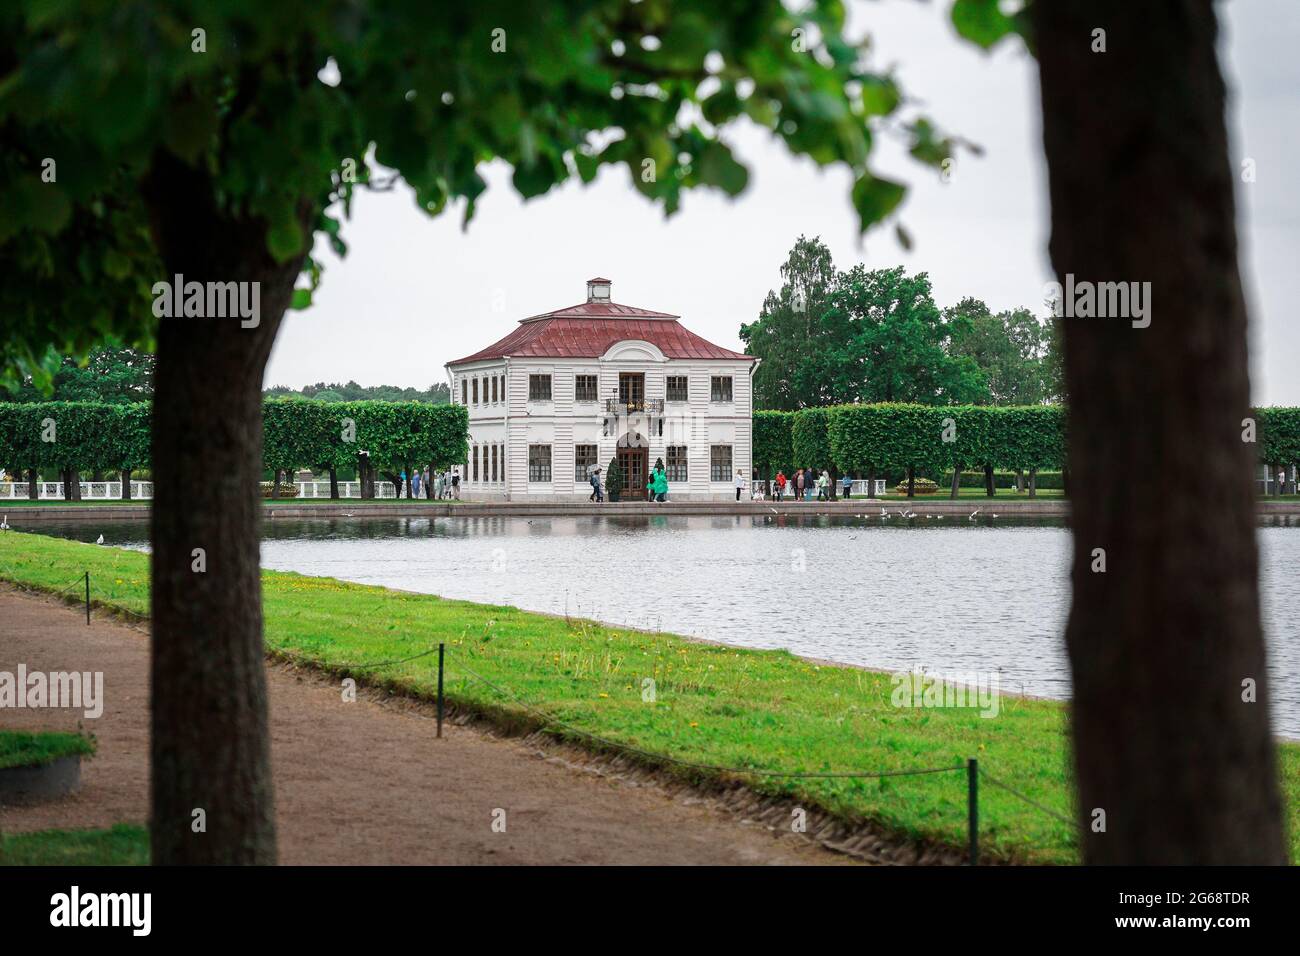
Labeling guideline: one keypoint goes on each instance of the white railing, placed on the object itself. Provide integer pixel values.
(347, 489)
(90, 490)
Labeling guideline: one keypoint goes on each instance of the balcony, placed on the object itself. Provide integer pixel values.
(650, 406)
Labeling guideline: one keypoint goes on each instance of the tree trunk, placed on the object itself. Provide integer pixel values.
(911, 481)
(956, 483)
(1065, 482)
(990, 489)
(1162, 643)
(210, 747)
(96, 475)
(365, 476)
(334, 483)
(1020, 481)
(71, 484)
(33, 485)
(1033, 482)
(835, 483)
(1277, 485)
(871, 482)
(126, 484)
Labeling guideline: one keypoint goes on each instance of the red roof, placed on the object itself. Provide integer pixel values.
(589, 329)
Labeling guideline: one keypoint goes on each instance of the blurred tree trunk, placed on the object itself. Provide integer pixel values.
(990, 489)
(956, 482)
(1160, 645)
(126, 484)
(210, 748)
(334, 483)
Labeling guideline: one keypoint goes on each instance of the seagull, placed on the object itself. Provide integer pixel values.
(773, 510)
(4, 523)
(99, 540)
(974, 513)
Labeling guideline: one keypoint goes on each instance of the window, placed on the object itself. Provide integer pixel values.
(631, 389)
(720, 390)
(539, 459)
(584, 388)
(494, 462)
(676, 469)
(473, 458)
(475, 391)
(720, 461)
(677, 388)
(494, 390)
(584, 459)
(464, 391)
(503, 387)
(539, 390)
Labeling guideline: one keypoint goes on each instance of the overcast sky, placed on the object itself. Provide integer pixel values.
(414, 292)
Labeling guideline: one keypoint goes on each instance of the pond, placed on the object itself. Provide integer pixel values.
(948, 595)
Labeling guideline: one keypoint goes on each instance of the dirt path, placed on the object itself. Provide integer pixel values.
(363, 783)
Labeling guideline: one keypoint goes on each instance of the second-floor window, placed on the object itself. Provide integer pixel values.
(676, 390)
(584, 388)
(720, 388)
(464, 391)
(494, 389)
(539, 388)
(539, 461)
(474, 391)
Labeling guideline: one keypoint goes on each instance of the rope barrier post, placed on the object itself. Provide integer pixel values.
(88, 599)
(973, 808)
(441, 649)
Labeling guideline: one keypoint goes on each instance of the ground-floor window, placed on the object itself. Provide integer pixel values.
(539, 462)
(473, 458)
(676, 468)
(584, 459)
(494, 463)
(719, 462)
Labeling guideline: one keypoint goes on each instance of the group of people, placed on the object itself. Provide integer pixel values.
(805, 481)
(445, 484)
(656, 484)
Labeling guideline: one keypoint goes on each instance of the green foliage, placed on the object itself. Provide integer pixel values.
(773, 443)
(438, 393)
(1278, 435)
(22, 749)
(613, 479)
(809, 439)
(110, 373)
(249, 130)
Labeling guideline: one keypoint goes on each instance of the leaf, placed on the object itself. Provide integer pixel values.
(301, 299)
(981, 21)
(717, 167)
(875, 198)
(284, 239)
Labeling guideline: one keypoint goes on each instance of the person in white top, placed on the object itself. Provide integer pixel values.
(740, 483)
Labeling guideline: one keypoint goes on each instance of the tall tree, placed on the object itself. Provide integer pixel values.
(112, 373)
(1010, 348)
(144, 143)
(789, 327)
(1170, 712)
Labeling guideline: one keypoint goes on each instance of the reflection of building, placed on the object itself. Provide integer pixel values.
(568, 389)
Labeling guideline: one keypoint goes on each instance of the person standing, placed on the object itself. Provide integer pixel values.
(428, 488)
(597, 492)
(740, 483)
(780, 486)
(660, 482)
(847, 482)
(798, 484)
(455, 485)
(415, 483)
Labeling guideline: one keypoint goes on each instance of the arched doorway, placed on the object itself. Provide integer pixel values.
(633, 451)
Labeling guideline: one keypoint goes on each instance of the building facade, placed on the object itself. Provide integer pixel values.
(573, 389)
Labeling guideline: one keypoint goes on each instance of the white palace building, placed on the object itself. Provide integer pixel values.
(569, 390)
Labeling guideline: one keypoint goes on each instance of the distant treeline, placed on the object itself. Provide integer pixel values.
(438, 394)
(374, 437)
(888, 440)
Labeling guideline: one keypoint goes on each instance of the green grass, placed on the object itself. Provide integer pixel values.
(20, 749)
(123, 845)
(716, 705)
(18, 503)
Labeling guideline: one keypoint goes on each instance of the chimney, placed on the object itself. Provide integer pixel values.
(598, 290)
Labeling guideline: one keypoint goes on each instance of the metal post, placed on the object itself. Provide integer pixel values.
(973, 808)
(87, 598)
(441, 649)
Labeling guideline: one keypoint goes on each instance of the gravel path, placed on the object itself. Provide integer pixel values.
(366, 783)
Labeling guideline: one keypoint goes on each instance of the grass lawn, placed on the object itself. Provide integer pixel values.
(18, 503)
(21, 749)
(123, 845)
(716, 705)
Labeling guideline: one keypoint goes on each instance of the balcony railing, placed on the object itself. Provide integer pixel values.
(651, 406)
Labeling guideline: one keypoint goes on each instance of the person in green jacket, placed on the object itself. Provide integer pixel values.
(659, 482)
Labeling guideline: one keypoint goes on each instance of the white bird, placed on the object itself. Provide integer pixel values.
(974, 513)
(773, 510)
(99, 540)
(4, 523)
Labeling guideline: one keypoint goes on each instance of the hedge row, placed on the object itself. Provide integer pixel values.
(295, 433)
(887, 438)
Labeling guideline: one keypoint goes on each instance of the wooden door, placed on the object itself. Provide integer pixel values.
(632, 461)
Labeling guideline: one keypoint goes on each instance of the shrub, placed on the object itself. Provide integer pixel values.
(921, 486)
